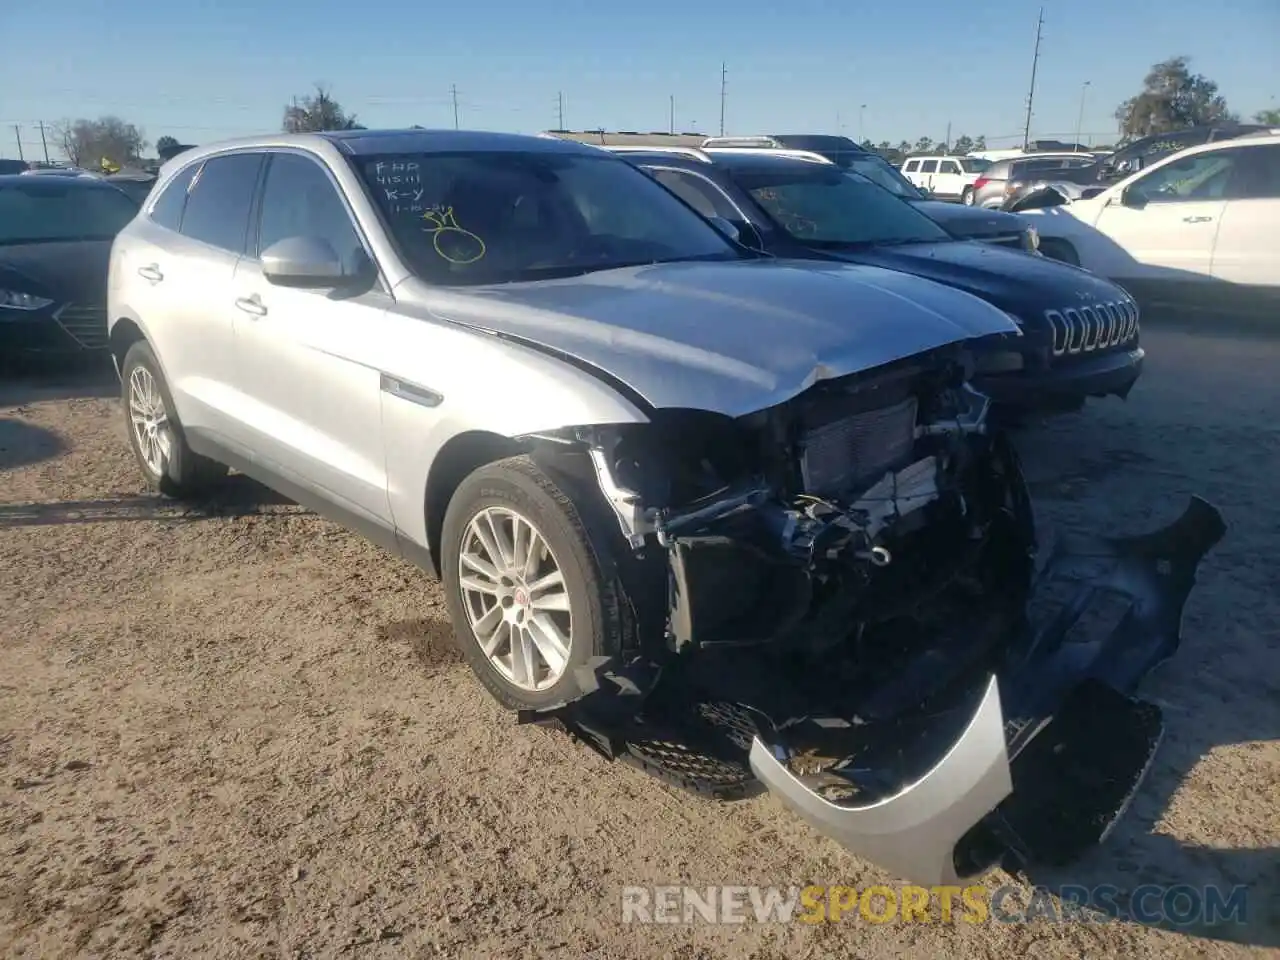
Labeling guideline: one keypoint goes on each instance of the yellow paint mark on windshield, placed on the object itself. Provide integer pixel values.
(451, 241)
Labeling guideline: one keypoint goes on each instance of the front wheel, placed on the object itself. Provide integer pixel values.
(525, 586)
(155, 434)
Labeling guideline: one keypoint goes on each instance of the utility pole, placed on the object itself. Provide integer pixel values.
(671, 115)
(1084, 87)
(560, 110)
(947, 142)
(453, 91)
(724, 83)
(1031, 94)
(862, 134)
(17, 133)
(44, 143)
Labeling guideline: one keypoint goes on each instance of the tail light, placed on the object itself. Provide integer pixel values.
(980, 183)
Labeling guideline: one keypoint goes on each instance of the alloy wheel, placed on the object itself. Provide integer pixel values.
(149, 420)
(516, 599)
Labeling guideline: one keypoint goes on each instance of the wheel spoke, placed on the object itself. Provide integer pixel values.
(478, 585)
(491, 629)
(523, 669)
(474, 562)
(483, 533)
(558, 601)
(546, 582)
(553, 646)
(505, 553)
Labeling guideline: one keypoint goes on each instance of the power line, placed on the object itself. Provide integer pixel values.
(1031, 94)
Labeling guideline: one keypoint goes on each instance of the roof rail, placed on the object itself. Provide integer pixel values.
(772, 152)
(691, 152)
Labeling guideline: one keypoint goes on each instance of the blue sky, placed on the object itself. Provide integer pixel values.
(208, 70)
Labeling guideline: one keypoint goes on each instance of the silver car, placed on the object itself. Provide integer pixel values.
(737, 520)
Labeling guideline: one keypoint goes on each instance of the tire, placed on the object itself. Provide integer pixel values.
(173, 468)
(595, 622)
(967, 197)
(1061, 250)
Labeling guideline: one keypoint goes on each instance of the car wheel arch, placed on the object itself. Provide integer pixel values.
(123, 335)
(459, 457)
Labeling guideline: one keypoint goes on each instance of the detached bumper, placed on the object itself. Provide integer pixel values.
(1111, 374)
(918, 832)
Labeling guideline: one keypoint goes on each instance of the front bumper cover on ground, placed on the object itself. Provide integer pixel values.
(919, 832)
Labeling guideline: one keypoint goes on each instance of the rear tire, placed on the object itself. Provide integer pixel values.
(528, 594)
(967, 197)
(155, 433)
(1056, 249)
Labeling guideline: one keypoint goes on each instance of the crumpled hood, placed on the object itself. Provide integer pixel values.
(731, 337)
(1012, 280)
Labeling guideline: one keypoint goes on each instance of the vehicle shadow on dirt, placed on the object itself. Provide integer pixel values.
(237, 496)
(81, 379)
(23, 444)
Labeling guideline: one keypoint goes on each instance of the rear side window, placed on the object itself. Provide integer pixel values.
(218, 202)
(169, 205)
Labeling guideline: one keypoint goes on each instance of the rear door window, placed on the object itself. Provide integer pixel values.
(167, 210)
(929, 166)
(697, 192)
(218, 202)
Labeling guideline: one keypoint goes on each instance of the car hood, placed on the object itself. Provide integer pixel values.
(1009, 279)
(731, 338)
(71, 271)
(970, 221)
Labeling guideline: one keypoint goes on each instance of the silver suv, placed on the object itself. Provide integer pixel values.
(656, 470)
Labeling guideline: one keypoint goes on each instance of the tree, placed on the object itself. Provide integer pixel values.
(1270, 117)
(166, 143)
(318, 112)
(923, 145)
(962, 145)
(92, 141)
(980, 142)
(1172, 98)
(868, 145)
(904, 148)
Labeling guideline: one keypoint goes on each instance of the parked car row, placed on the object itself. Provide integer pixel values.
(693, 444)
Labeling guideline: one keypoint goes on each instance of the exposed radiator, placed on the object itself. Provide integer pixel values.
(839, 456)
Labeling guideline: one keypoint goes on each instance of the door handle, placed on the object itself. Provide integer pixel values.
(151, 272)
(252, 306)
(1196, 219)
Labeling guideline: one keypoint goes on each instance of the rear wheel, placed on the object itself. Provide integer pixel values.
(967, 197)
(525, 586)
(155, 434)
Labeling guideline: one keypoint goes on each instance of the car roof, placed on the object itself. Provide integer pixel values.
(374, 142)
(54, 183)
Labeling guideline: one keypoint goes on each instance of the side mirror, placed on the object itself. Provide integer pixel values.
(303, 262)
(726, 227)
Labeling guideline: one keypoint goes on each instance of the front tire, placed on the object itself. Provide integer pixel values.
(527, 592)
(155, 433)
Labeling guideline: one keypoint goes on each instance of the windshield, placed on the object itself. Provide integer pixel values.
(883, 174)
(503, 216)
(49, 209)
(974, 164)
(828, 208)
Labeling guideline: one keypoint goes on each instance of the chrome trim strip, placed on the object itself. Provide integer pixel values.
(423, 396)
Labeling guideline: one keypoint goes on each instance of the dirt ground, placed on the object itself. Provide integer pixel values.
(239, 731)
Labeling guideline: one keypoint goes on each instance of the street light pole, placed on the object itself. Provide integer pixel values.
(1084, 88)
(862, 133)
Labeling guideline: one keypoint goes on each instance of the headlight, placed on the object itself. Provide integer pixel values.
(1033, 239)
(17, 300)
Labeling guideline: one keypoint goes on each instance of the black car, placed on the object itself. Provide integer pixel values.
(989, 226)
(1080, 332)
(55, 244)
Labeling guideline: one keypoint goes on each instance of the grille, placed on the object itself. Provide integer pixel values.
(1096, 327)
(838, 456)
(86, 324)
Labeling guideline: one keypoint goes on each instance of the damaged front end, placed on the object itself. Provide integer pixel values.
(838, 599)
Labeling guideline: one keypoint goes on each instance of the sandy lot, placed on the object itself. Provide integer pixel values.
(239, 731)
